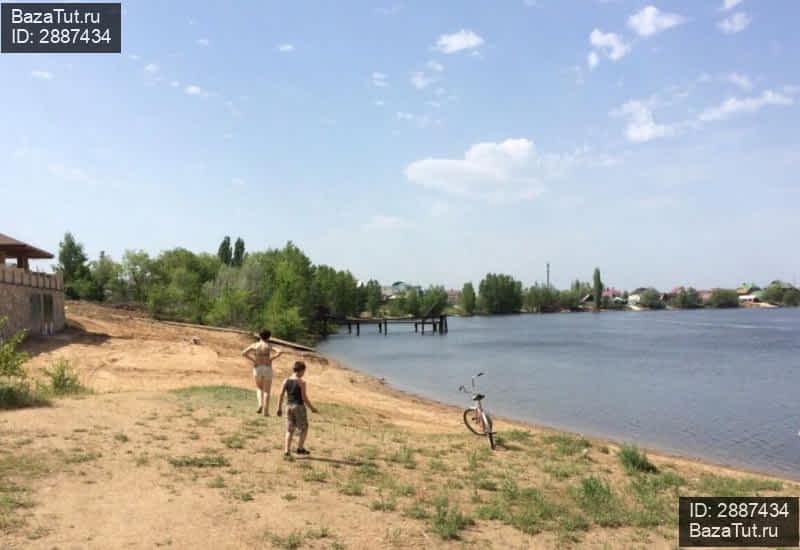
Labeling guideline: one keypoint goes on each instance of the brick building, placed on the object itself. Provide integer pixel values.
(29, 301)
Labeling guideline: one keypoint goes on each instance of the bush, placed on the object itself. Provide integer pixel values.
(791, 298)
(651, 299)
(723, 298)
(287, 324)
(63, 380)
(634, 460)
(15, 391)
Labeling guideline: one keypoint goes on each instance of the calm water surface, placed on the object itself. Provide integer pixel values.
(716, 384)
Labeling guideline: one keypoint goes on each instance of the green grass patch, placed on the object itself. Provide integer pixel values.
(416, 511)
(217, 482)
(219, 396)
(448, 520)
(121, 437)
(201, 461)
(567, 445)
(383, 504)
(292, 541)
(234, 441)
(352, 488)
(724, 486)
(598, 501)
(63, 380)
(21, 395)
(518, 436)
(316, 476)
(635, 461)
(404, 456)
(562, 470)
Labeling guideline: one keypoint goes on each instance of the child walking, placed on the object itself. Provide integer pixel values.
(297, 400)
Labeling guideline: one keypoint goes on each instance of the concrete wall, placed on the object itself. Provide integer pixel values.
(23, 301)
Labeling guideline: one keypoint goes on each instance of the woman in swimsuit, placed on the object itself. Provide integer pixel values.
(261, 355)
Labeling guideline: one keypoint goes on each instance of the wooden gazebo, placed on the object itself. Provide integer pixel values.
(22, 252)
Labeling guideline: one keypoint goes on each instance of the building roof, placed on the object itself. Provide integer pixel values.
(14, 248)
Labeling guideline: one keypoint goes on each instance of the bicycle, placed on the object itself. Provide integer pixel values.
(476, 418)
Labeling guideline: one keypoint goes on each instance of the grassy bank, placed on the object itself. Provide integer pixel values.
(168, 451)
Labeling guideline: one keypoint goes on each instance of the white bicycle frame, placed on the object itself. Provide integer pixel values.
(485, 419)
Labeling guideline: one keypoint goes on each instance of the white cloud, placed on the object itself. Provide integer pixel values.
(508, 170)
(421, 81)
(285, 48)
(609, 44)
(733, 106)
(435, 66)
(650, 20)
(379, 80)
(42, 75)
(71, 174)
(151, 68)
(195, 90)
(737, 22)
(641, 126)
(238, 182)
(730, 4)
(421, 121)
(384, 222)
(458, 41)
(203, 42)
(592, 59)
(175, 84)
(740, 80)
(134, 57)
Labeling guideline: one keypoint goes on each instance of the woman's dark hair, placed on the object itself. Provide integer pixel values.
(265, 335)
(299, 366)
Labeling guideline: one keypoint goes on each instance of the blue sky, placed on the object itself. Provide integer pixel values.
(425, 141)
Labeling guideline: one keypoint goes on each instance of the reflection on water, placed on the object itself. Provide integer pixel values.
(716, 384)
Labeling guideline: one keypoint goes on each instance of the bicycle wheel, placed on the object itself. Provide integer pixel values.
(473, 421)
(487, 421)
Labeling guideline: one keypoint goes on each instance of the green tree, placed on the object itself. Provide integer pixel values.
(106, 275)
(136, 272)
(791, 298)
(224, 253)
(238, 252)
(597, 289)
(651, 299)
(413, 302)
(468, 299)
(433, 301)
(72, 264)
(723, 298)
(686, 298)
(499, 294)
(773, 294)
(373, 297)
(542, 299)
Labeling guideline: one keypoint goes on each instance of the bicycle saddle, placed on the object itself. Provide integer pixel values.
(478, 397)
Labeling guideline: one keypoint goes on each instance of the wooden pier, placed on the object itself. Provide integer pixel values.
(437, 325)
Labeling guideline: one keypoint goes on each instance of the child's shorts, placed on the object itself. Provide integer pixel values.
(296, 418)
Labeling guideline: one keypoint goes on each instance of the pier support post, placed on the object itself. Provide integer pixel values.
(423, 327)
(349, 327)
(416, 327)
(358, 328)
(380, 326)
(385, 327)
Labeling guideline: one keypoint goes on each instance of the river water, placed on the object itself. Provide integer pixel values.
(715, 384)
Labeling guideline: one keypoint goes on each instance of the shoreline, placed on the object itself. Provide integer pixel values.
(652, 452)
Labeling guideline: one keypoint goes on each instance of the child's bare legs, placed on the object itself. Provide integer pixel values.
(288, 442)
(259, 395)
(266, 391)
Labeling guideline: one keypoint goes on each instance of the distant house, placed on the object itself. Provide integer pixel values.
(749, 298)
(29, 301)
(747, 288)
(453, 296)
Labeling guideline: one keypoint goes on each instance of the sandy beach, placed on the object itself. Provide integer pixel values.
(168, 451)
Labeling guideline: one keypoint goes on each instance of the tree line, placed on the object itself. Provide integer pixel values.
(280, 289)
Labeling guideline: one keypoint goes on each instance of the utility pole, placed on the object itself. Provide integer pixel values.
(548, 274)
